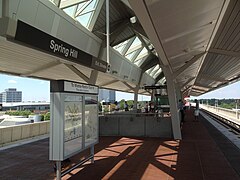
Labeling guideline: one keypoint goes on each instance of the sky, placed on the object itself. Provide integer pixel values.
(39, 90)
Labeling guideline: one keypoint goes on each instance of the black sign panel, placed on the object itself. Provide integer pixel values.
(155, 87)
(45, 42)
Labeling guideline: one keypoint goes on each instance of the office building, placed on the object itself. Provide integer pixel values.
(107, 95)
(11, 95)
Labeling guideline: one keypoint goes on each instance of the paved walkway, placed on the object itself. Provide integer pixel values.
(197, 156)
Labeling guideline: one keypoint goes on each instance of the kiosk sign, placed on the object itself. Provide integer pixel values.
(74, 118)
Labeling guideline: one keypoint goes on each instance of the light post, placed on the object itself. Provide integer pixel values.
(216, 104)
(237, 101)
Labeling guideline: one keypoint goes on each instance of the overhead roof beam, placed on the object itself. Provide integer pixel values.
(138, 28)
(208, 77)
(122, 40)
(129, 86)
(96, 14)
(187, 82)
(206, 87)
(149, 62)
(65, 4)
(160, 76)
(187, 65)
(143, 41)
(79, 73)
(224, 52)
(136, 54)
(199, 89)
(117, 29)
(108, 83)
(42, 68)
(93, 77)
(129, 43)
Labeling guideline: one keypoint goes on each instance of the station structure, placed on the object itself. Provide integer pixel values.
(191, 47)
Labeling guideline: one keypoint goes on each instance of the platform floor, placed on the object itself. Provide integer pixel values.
(203, 154)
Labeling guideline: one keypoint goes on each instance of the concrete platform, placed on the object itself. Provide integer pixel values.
(197, 156)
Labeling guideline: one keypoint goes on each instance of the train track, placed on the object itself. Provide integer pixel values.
(232, 126)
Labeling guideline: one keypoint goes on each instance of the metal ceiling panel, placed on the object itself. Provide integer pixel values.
(228, 33)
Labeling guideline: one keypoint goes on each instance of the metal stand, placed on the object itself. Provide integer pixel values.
(92, 154)
(58, 173)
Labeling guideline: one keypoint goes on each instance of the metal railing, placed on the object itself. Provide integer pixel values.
(226, 113)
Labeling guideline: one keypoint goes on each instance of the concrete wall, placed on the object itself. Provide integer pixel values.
(20, 132)
(131, 125)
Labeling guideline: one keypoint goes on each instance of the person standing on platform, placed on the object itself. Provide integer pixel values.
(181, 109)
(196, 111)
(126, 106)
(146, 107)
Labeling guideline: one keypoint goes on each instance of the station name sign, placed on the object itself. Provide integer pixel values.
(70, 86)
(40, 40)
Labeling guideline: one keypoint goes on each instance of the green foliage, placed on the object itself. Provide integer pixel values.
(227, 106)
(42, 117)
(121, 104)
(47, 116)
(19, 113)
(223, 103)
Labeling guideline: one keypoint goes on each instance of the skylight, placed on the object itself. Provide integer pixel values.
(82, 12)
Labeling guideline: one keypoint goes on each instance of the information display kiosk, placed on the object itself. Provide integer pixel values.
(74, 119)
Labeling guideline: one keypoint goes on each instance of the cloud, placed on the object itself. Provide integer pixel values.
(12, 81)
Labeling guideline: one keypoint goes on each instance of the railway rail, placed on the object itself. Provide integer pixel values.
(232, 126)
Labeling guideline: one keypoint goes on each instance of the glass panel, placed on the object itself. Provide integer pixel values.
(73, 124)
(91, 120)
(157, 73)
(143, 52)
(90, 7)
(70, 10)
(121, 46)
(84, 19)
(129, 56)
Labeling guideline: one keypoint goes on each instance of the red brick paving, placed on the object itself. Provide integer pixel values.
(195, 157)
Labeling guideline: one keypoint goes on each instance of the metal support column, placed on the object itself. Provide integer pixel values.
(135, 99)
(59, 169)
(92, 154)
(173, 103)
(107, 29)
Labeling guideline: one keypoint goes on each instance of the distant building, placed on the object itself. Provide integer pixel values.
(11, 95)
(1, 95)
(107, 95)
(31, 106)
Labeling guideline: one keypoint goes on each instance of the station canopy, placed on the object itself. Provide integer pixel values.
(197, 40)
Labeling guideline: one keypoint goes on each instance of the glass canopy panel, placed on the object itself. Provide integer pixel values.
(121, 46)
(84, 19)
(90, 7)
(142, 54)
(155, 69)
(150, 70)
(70, 11)
(130, 55)
(82, 12)
(157, 73)
(140, 61)
(135, 45)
